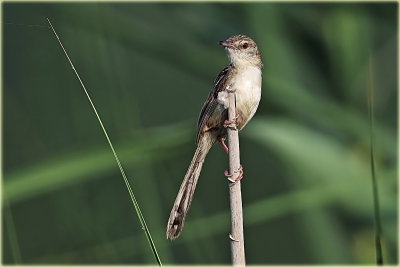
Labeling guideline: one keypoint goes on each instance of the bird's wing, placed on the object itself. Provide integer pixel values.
(204, 123)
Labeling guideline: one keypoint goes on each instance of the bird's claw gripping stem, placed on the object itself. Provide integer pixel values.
(229, 175)
(233, 123)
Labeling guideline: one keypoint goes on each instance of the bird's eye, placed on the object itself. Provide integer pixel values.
(245, 45)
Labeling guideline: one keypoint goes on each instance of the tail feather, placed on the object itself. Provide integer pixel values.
(185, 195)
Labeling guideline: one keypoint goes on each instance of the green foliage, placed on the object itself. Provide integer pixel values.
(149, 66)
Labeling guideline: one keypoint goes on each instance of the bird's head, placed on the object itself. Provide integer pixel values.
(242, 50)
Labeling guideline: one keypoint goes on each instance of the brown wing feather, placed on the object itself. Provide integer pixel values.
(211, 103)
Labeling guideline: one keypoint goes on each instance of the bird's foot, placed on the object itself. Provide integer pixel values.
(221, 141)
(233, 123)
(238, 178)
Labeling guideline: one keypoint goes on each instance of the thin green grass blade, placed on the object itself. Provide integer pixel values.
(12, 233)
(131, 194)
(377, 216)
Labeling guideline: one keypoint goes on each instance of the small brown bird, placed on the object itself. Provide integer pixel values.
(243, 76)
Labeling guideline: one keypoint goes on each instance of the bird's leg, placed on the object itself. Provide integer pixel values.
(229, 176)
(233, 123)
(221, 141)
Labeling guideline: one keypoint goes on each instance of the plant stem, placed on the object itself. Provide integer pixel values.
(375, 191)
(127, 184)
(236, 236)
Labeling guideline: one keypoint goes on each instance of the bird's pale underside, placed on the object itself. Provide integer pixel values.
(243, 76)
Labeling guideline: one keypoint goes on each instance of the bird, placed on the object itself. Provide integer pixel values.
(243, 77)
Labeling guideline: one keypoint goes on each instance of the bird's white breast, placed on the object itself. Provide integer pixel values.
(248, 91)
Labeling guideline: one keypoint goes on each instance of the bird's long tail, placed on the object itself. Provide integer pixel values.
(185, 195)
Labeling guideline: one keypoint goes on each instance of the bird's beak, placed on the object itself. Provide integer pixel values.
(224, 43)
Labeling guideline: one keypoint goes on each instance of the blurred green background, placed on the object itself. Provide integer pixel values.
(149, 66)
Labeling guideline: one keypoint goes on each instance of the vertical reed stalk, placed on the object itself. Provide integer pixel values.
(236, 236)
